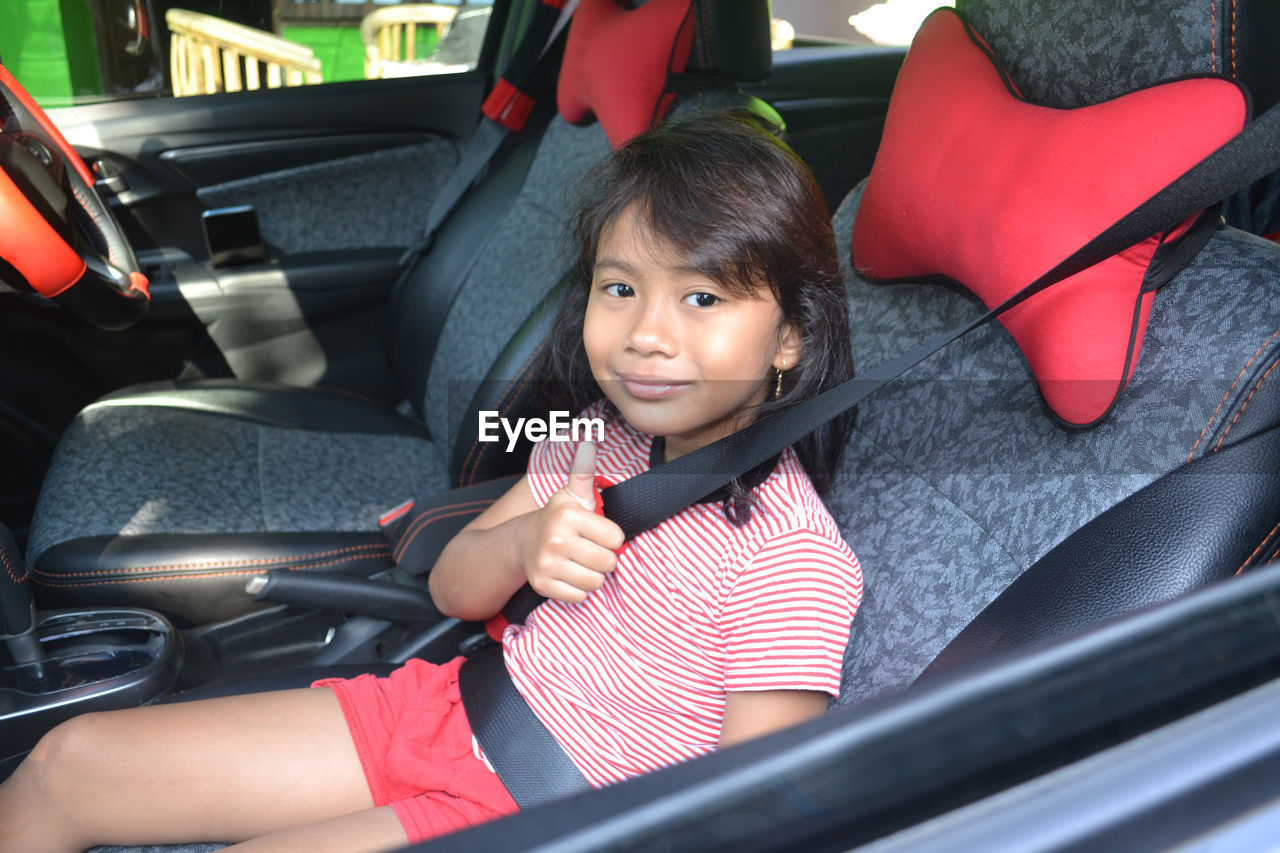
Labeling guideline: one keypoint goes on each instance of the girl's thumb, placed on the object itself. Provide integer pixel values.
(582, 475)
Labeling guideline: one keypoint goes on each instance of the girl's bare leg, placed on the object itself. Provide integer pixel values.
(227, 769)
(369, 831)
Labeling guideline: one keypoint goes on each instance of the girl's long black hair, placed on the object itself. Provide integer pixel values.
(743, 209)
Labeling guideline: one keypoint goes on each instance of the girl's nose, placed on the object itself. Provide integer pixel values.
(653, 331)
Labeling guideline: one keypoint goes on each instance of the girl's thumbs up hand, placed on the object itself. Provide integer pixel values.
(567, 550)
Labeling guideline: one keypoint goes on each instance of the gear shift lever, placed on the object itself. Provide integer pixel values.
(17, 608)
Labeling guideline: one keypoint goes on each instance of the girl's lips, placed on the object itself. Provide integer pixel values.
(652, 389)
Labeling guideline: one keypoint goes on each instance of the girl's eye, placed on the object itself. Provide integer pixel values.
(619, 289)
(701, 300)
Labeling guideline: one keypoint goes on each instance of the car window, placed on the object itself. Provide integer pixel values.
(801, 23)
(68, 53)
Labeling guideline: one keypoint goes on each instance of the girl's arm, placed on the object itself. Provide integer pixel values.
(563, 549)
(751, 713)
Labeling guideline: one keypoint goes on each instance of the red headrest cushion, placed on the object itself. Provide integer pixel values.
(616, 63)
(974, 184)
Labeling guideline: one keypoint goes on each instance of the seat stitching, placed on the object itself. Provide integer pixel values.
(434, 509)
(111, 254)
(1213, 36)
(475, 445)
(362, 558)
(424, 526)
(1265, 540)
(213, 565)
(1223, 401)
(1273, 366)
(12, 572)
(1233, 38)
(418, 522)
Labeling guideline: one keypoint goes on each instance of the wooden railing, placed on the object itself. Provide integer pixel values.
(208, 54)
(390, 36)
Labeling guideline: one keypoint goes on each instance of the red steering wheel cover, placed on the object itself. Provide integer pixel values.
(31, 245)
(35, 249)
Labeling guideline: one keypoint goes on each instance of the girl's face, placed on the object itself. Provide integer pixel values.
(675, 352)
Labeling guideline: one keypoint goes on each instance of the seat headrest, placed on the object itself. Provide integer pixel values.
(1074, 54)
(975, 184)
(619, 58)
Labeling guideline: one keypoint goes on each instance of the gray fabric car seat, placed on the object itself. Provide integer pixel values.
(956, 480)
(169, 496)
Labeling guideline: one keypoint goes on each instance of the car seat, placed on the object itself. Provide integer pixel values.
(961, 476)
(169, 496)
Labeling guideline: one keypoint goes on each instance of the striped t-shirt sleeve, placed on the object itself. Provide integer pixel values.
(785, 621)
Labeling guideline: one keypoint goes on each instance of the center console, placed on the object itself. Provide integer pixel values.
(70, 662)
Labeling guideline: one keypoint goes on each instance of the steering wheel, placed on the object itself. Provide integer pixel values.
(59, 239)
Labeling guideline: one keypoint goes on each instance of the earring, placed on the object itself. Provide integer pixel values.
(777, 386)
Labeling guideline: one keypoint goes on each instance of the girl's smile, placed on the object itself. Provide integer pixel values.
(678, 353)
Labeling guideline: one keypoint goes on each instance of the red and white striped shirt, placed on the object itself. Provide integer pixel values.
(635, 678)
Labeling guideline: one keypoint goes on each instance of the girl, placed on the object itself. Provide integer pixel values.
(707, 294)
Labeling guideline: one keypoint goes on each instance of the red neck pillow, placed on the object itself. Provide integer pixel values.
(616, 62)
(974, 184)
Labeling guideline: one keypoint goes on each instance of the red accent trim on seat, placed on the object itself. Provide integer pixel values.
(975, 184)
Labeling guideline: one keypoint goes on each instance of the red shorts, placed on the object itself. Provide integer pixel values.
(416, 747)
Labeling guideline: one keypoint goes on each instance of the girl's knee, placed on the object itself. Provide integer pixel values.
(61, 758)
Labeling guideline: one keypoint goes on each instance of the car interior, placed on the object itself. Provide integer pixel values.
(1068, 520)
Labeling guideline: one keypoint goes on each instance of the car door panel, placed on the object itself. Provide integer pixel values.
(341, 166)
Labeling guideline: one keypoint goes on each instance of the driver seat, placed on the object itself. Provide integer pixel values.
(169, 496)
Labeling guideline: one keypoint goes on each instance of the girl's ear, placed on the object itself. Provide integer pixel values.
(789, 346)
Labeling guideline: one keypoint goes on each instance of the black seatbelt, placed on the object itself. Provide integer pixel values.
(502, 116)
(532, 766)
